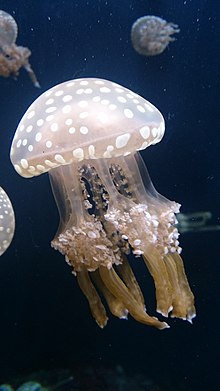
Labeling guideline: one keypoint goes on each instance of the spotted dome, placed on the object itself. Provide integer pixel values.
(83, 119)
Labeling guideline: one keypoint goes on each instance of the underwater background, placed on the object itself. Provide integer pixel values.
(45, 321)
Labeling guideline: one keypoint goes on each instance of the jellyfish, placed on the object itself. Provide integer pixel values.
(196, 222)
(13, 57)
(86, 133)
(7, 221)
(150, 35)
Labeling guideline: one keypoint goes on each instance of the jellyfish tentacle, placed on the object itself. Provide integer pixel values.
(95, 303)
(129, 278)
(157, 269)
(115, 305)
(186, 293)
(119, 289)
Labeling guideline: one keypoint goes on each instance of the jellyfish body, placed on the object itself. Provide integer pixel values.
(13, 57)
(86, 133)
(7, 221)
(150, 35)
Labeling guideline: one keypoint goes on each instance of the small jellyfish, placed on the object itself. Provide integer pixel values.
(87, 133)
(7, 221)
(150, 35)
(13, 57)
(32, 386)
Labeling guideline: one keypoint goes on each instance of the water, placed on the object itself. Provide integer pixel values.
(45, 321)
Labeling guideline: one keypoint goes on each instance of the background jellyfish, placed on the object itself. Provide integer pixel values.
(150, 35)
(196, 222)
(7, 221)
(86, 134)
(13, 57)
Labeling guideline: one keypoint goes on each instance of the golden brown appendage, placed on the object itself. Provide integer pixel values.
(13, 57)
(109, 213)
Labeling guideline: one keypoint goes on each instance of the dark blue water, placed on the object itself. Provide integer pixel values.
(45, 321)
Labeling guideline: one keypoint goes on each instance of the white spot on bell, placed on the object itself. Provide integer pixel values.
(128, 113)
(121, 141)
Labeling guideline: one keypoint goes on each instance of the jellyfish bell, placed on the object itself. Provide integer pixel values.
(7, 221)
(150, 35)
(87, 133)
(8, 29)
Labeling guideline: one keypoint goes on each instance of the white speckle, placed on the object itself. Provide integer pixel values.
(128, 113)
(66, 109)
(117, 89)
(31, 169)
(141, 108)
(84, 114)
(72, 130)
(83, 130)
(19, 143)
(40, 167)
(88, 91)
(126, 153)
(67, 98)
(49, 101)
(129, 96)
(110, 148)
(96, 98)
(48, 93)
(91, 151)
(112, 106)
(24, 142)
(78, 153)
(30, 148)
(48, 144)
(122, 140)
(92, 234)
(18, 169)
(70, 84)
(84, 83)
(59, 93)
(59, 159)
(99, 82)
(135, 101)
(79, 91)
(40, 122)
(49, 163)
(31, 114)
(49, 118)
(149, 107)
(21, 128)
(82, 103)
(154, 132)
(104, 102)
(50, 109)
(38, 136)
(29, 128)
(105, 89)
(137, 242)
(54, 127)
(24, 163)
(69, 121)
(121, 99)
(145, 132)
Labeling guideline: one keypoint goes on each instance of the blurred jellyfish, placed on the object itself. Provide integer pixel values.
(150, 35)
(31, 386)
(7, 221)
(196, 221)
(13, 57)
